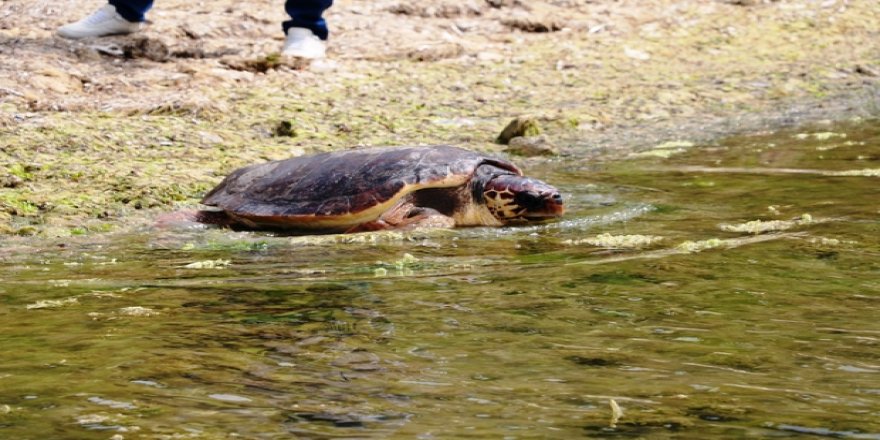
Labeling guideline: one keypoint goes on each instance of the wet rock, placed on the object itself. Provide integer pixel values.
(535, 25)
(532, 146)
(521, 126)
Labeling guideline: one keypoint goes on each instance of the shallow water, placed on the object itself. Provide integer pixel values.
(707, 331)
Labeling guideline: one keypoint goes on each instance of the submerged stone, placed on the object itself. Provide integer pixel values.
(229, 398)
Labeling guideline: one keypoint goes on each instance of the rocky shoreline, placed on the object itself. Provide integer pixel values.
(97, 133)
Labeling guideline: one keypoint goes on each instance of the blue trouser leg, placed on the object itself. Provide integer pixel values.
(307, 14)
(132, 10)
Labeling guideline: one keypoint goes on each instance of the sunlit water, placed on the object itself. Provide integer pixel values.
(706, 331)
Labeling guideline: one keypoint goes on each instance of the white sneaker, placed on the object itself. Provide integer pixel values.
(302, 43)
(105, 21)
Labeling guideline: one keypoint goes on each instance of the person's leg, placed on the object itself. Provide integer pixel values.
(307, 14)
(132, 10)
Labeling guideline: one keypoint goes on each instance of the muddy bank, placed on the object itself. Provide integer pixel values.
(99, 135)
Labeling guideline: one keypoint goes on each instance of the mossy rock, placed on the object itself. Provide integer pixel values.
(522, 126)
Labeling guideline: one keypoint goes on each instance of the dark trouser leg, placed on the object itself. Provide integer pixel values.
(132, 10)
(307, 14)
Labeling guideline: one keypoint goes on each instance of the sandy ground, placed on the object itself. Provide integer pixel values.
(95, 133)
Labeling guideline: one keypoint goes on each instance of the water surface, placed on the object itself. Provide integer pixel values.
(714, 328)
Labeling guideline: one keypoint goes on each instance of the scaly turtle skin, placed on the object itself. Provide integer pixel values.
(382, 188)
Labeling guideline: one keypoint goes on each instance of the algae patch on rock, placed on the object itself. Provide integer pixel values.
(522, 126)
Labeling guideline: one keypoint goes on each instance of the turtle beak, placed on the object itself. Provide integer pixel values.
(554, 204)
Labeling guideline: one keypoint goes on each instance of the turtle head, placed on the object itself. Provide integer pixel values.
(511, 198)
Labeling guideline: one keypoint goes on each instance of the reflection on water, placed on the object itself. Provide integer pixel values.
(750, 312)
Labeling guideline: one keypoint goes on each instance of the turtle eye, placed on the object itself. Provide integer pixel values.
(528, 200)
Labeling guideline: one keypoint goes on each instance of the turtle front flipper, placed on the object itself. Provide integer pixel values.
(406, 216)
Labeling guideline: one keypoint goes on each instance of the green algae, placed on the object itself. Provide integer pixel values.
(634, 241)
(763, 226)
(17, 205)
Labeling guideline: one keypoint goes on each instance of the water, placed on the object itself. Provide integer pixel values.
(705, 332)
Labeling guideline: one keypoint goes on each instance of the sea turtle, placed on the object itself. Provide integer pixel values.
(381, 188)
